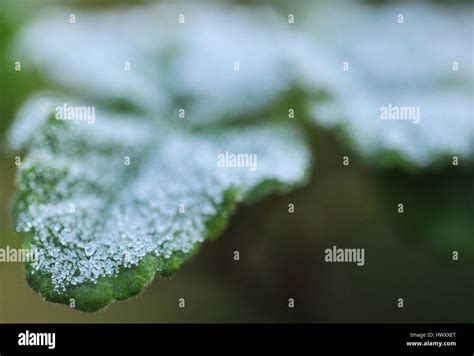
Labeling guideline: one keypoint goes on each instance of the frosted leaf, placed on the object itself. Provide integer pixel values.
(126, 224)
(192, 65)
(405, 65)
(106, 55)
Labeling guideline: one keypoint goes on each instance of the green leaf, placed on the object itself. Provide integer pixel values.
(108, 205)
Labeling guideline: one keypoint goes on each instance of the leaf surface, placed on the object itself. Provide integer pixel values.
(107, 205)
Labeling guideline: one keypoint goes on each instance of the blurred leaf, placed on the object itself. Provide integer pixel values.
(369, 63)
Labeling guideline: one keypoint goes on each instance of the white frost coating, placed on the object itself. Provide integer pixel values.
(193, 61)
(90, 56)
(32, 115)
(406, 64)
(122, 213)
(231, 62)
(40, 107)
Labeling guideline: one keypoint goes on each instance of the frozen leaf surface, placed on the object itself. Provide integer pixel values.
(108, 205)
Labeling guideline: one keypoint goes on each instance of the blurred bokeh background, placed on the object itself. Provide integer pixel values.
(408, 255)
